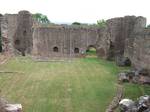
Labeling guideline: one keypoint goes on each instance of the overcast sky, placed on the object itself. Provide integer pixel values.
(85, 11)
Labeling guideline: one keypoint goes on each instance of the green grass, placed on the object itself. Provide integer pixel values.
(82, 85)
(91, 52)
(133, 91)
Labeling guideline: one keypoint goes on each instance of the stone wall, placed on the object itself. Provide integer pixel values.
(1, 16)
(8, 28)
(126, 37)
(138, 49)
(69, 41)
(23, 35)
(122, 37)
(17, 32)
(117, 31)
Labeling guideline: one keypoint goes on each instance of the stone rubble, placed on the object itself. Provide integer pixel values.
(141, 105)
(6, 107)
(140, 76)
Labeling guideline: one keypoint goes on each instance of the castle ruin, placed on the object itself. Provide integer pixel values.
(122, 37)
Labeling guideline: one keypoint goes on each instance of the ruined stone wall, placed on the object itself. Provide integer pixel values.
(102, 43)
(129, 38)
(112, 38)
(138, 49)
(1, 16)
(122, 37)
(23, 35)
(69, 41)
(8, 28)
(17, 32)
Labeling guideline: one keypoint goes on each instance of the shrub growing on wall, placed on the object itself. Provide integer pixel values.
(41, 18)
(101, 23)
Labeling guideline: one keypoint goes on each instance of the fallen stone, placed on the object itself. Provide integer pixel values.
(144, 80)
(13, 108)
(123, 77)
(126, 105)
(142, 71)
(141, 105)
(123, 61)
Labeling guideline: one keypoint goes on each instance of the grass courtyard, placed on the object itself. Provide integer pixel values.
(79, 85)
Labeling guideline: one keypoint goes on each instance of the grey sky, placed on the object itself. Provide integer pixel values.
(85, 11)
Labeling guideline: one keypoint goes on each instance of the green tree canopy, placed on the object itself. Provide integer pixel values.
(76, 23)
(41, 18)
(101, 23)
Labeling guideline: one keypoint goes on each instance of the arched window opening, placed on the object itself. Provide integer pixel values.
(55, 49)
(24, 33)
(91, 51)
(76, 50)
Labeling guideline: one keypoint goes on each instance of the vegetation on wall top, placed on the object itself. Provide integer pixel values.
(101, 23)
(41, 18)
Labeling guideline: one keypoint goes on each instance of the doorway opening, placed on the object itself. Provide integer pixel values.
(55, 49)
(91, 51)
(76, 50)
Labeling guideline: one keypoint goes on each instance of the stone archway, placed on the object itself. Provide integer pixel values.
(111, 50)
(91, 51)
(55, 49)
(76, 50)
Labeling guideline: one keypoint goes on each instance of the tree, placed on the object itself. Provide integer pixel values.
(76, 23)
(148, 26)
(41, 18)
(101, 23)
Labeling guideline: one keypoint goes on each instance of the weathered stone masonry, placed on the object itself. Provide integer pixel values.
(122, 37)
(17, 32)
(69, 41)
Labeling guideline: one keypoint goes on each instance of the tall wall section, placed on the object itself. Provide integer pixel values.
(127, 37)
(17, 32)
(68, 40)
(138, 49)
(8, 28)
(113, 37)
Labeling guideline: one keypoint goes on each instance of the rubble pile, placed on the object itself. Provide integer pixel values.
(141, 105)
(140, 76)
(6, 107)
